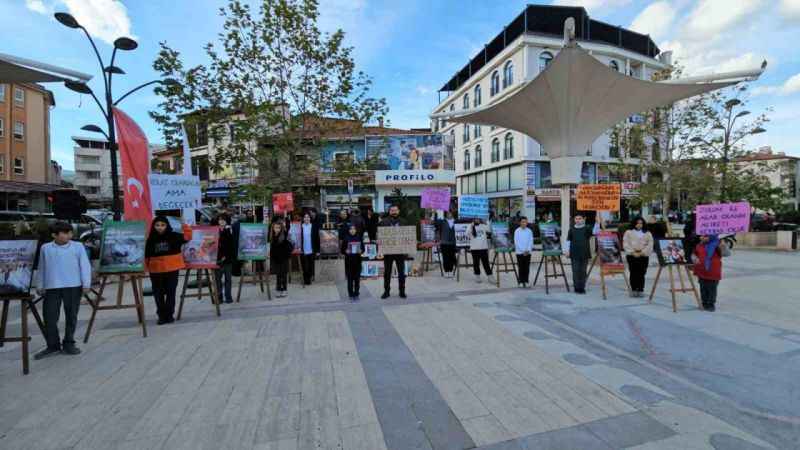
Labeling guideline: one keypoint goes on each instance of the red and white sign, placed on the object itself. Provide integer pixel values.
(135, 160)
(282, 203)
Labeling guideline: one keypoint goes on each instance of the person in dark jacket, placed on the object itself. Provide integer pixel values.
(447, 243)
(578, 251)
(342, 225)
(226, 256)
(371, 223)
(163, 256)
(280, 251)
(309, 247)
(358, 220)
(399, 260)
(352, 249)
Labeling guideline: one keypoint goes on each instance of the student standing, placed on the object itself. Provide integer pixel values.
(163, 258)
(226, 256)
(577, 250)
(64, 274)
(352, 249)
(399, 260)
(280, 251)
(309, 247)
(708, 268)
(523, 246)
(479, 234)
(447, 243)
(638, 245)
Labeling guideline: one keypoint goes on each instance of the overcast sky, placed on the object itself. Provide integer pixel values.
(409, 47)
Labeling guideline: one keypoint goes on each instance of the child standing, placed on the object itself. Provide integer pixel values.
(708, 268)
(479, 234)
(352, 249)
(64, 275)
(523, 246)
(226, 255)
(163, 258)
(280, 251)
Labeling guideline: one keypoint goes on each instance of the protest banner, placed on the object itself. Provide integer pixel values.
(722, 218)
(598, 197)
(252, 243)
(397, 240)
(551, 242)
(462, 240)
(169, 192)
(427, 232)
(609, 252)
(16, 266)
(282, 203)
(201, 251)
(472, 206)
(500, 238)
(329, 243)
(122, 247)
(436, 198)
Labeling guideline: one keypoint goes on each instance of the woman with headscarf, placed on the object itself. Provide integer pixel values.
(163, 257)
(708, 268)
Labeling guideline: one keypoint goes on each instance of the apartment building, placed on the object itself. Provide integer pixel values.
(93, 170)
(782, 170)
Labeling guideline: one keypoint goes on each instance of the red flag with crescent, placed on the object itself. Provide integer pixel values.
(135, 159)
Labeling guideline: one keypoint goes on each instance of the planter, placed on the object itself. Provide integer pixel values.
(758, 239)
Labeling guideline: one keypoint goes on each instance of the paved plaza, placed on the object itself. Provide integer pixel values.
(459, 365)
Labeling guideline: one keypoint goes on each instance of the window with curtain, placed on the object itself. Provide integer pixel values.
(466, 101)
(495, 150)
(477, 131)
(495, 84)
(465, 134)
(544, 60)
(508, 149)
(476, 100)
(508, 74)
(478, 156)
(466, 159)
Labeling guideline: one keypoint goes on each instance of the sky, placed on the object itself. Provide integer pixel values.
(410, 48)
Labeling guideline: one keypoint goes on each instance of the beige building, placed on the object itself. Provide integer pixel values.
(782, 170)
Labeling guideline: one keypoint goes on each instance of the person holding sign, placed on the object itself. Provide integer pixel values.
(523, 245)
(447, 243)
(479, 234)
(226, 255)
(64, 274)
(577, 250)
(399, 260)
(638, 245)
(708, 268)
(163, 257)
(352, 249)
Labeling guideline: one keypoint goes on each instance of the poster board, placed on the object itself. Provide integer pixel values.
(397, 240)
(609, 251)
(169, 192)
(253, 245)
(370, 251)
(427, 232)
(722, 218)
(201, 251)
(462, 239)
(16, 266)
(473, 206)
(551, 241)
(436, 198)
(598, 197)
(371, 269)
(500, 237)
(282, 203)
(671, 252)
(122, 247)
(329, 243)
(295, 236)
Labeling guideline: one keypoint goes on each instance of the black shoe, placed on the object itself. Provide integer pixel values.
(170, 319)
(385, 295)
(402, 294)
(711, 308)
(45, 352)
(161, 322)
(229, 301)
(71, 349)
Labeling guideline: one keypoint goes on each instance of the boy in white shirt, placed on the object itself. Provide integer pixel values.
(64, 274)
(523, 246)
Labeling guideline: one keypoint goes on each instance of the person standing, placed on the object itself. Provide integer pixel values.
(479, 234)
(372, 225)
(64, 274)
(708, 268)
(447, 243)
(399, 260)
(280, 251)
(352, 249)
(577, 250)
(226, 256)
(163, 258)
(638, 245)
(358, 220)
(523, 245)
(309, 247)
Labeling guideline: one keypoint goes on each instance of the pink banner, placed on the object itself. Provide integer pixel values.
(436, 198)
(722, 218)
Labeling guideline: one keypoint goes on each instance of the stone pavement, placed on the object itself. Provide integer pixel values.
(459, 365)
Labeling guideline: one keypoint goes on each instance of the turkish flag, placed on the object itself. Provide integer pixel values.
(135, 159)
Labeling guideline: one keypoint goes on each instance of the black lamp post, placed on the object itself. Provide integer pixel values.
(106, 107)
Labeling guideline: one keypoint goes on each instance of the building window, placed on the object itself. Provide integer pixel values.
(466, 159)
(2, 127)
(544, 60)
(478, 156)
(491, 181)
(19, 130)
(2, 93)
(452, 106)
(2, 164)
(614, 65)
(508, 74)
(476, 101)
(476, 131)
(19, 166)
(495, 86)
(508, 149)
(465, 135)
(495, 150)
(465, 101)
(19, 96)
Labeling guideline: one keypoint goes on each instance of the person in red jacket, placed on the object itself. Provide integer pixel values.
(708, 268)
(163, 257)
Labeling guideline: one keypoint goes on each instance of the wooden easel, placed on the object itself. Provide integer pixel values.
(427, 259)
(549, 261)
(201, 274)
(25, 303)
(467, 263)
(672, 289)
(605, 271)
(503, 262)
(135, 279)
(255, 277)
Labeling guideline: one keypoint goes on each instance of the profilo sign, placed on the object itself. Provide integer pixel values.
(415, 177)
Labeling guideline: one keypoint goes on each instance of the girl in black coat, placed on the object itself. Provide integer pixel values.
(226, 257)
(352, 249)
(280, 251)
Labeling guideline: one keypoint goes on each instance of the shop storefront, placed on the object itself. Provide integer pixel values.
(392, 185)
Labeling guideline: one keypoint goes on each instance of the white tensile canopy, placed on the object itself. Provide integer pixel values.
(14, 69)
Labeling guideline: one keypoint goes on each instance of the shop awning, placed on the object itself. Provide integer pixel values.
(14, 69)
(21, 187)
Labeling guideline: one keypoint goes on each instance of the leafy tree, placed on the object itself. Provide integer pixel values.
(266, 95)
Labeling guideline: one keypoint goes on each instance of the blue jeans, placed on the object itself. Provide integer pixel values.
(225, 272)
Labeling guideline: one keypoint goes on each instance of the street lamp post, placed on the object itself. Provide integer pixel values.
(123, 43)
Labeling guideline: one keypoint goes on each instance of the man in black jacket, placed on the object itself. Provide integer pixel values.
(447, 243)
(400, 260)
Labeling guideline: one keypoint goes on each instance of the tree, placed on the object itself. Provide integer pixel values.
(271, 85)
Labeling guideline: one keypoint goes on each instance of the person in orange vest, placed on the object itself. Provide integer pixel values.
(163, 258)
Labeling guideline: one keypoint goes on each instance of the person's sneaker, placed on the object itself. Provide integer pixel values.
(385, 295)
(45, 352)
(478, 279)
(71, 349)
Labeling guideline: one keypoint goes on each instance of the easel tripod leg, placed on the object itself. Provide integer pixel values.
(3, 322)
(655, 284)
(23, 307)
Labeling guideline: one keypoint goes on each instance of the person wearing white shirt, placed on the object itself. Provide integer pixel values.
(479, 234)
(523, 246)
(309, 247)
